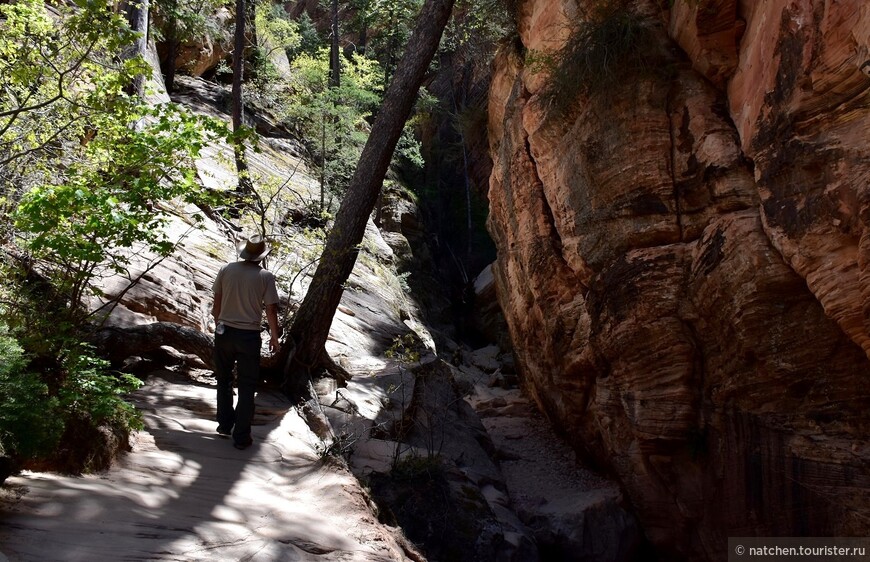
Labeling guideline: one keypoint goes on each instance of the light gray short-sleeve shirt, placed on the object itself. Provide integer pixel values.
(245, 288)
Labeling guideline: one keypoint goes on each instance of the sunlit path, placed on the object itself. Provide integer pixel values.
(184, 493)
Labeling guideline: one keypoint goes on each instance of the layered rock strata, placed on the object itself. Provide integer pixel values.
(683, 264)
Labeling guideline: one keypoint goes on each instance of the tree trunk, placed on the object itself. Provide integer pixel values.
(238, 64)
(392, 46)
(250, 38)
(244, 185)
(334, 52)
(137, 16)
(322, 160)
(170, 65)
(363, 38)
(334, 83)
(172, 40)
(311, 324)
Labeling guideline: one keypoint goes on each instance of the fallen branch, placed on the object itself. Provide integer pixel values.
(121, 343)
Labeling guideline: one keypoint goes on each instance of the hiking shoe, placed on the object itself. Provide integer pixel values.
(224, 430)
(241, 445)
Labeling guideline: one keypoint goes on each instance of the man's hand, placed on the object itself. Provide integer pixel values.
(216, 307)
(274, 330)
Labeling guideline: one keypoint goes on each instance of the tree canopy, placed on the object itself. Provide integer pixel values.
(88, 171)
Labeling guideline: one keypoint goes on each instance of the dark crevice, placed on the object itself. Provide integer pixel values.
(672, 164)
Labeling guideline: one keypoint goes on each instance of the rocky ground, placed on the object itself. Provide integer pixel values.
(498, 459)
(571, 511)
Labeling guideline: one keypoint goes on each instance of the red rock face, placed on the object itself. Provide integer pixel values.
(801, 100)
(684, 266)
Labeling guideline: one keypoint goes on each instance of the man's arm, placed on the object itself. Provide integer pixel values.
(216, 308)
(272, 317)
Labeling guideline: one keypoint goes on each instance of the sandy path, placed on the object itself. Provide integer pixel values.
(185, 493)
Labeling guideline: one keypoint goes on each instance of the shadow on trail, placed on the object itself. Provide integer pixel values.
(189, 494)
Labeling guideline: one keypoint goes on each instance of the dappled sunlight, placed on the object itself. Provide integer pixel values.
(189, 492)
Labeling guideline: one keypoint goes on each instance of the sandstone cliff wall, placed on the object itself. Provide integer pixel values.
(685, 265)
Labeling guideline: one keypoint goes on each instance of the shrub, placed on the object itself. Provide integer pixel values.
(91, 392)
(611, 46)
(28, 427)
(418, 467)
(80, 395)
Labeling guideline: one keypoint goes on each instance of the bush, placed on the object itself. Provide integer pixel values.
(611, 46)
(44, 416)
(93, 393)
(28, 427)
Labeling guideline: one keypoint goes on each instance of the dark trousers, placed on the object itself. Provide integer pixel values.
(241, 348)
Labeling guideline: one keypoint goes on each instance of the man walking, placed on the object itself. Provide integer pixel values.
(241, 290)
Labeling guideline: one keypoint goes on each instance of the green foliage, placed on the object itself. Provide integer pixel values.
(25, 429)
(387, 24)
(91, 392)
(408, 150)
(55, 71)
(34, 415)
(98, 163)
(88, 175)
(406, 348)
(92, 165)
(275, 32)
(333, 120)
(361, 80)
(189, 20)
(418, 467)
(109, 197)
(54, 391)
(476, 28)
(275, 28)
(309, 39)
(610, 47)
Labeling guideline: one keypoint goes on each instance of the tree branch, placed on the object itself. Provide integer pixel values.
(60, 90)
(120, 343)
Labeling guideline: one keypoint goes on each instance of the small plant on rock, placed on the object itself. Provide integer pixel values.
(609, 45)
(405, 349)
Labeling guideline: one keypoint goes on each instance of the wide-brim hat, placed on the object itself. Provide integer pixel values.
(253, 249)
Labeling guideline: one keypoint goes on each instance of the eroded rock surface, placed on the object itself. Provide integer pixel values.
(683, 266)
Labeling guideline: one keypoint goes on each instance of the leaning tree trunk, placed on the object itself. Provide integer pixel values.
(311, 325)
